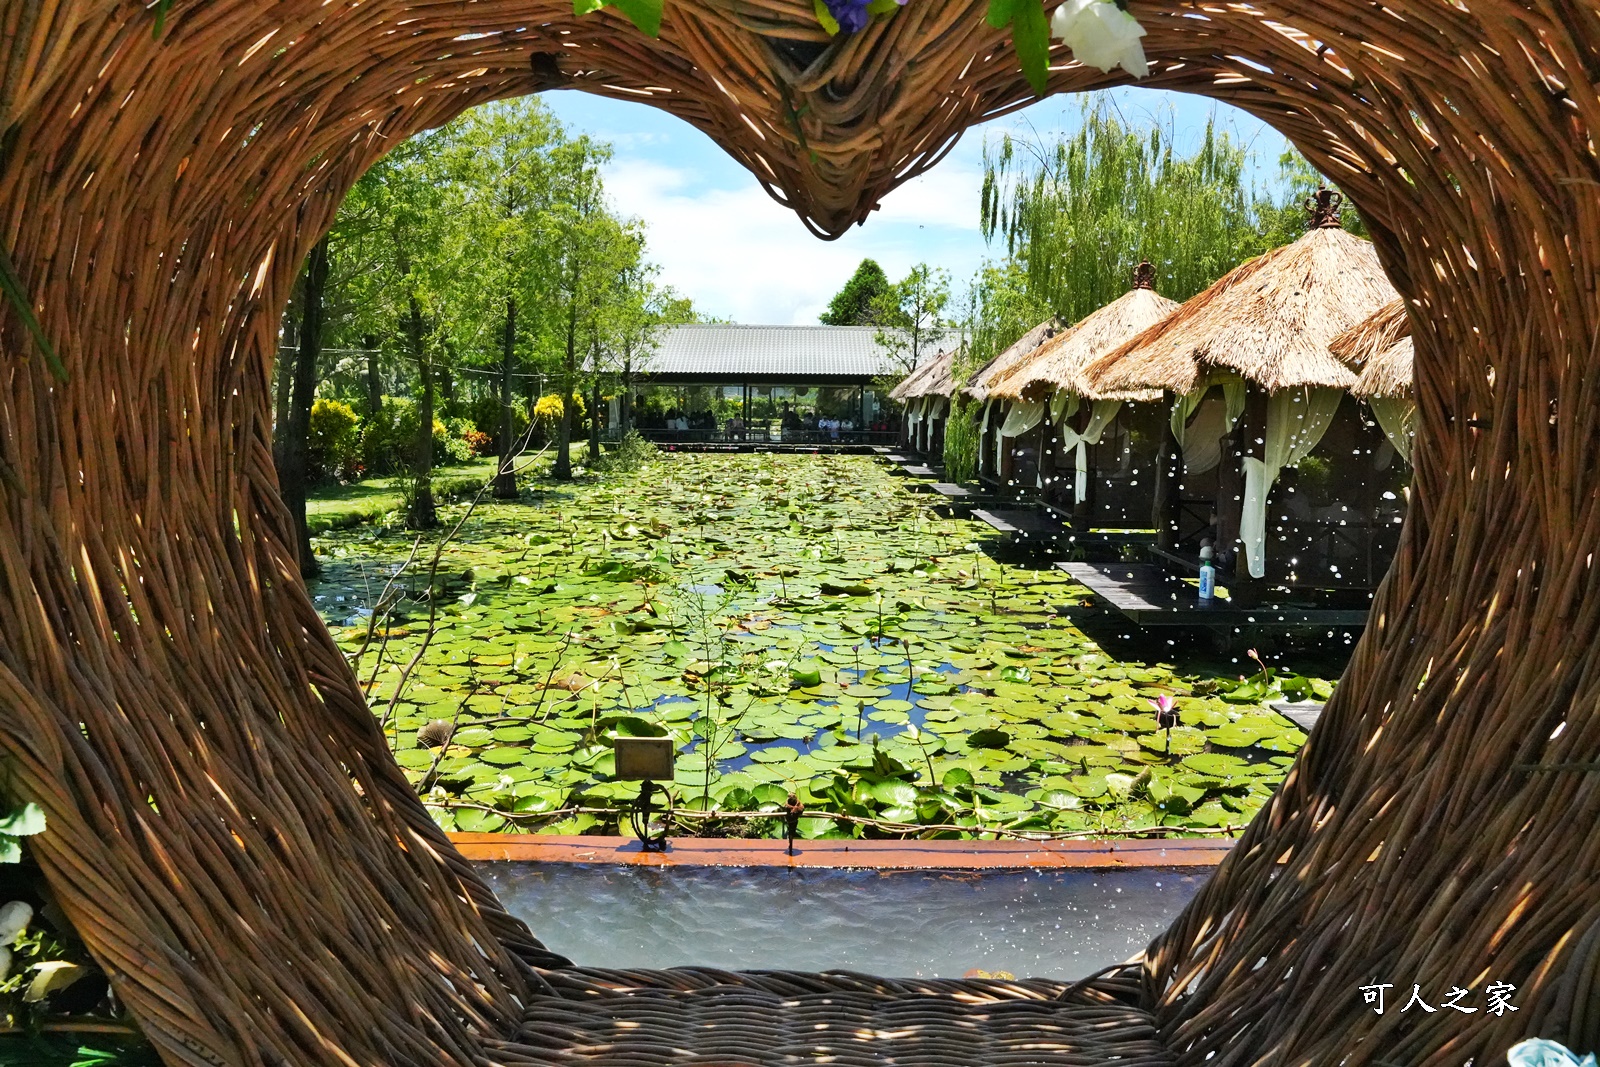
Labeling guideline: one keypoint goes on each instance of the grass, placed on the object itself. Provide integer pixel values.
(338, 507)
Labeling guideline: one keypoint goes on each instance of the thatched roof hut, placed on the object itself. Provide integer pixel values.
(1058, 363)
(1269, 321)
(986, 376)
(936, 377)
(1260, 334)
(1379, 349)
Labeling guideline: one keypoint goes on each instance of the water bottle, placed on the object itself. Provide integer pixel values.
(1208, 574)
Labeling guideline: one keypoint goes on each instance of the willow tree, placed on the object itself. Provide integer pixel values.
(1078, 214)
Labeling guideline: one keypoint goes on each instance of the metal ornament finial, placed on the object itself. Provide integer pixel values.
(1323, 207)
(1144, 275)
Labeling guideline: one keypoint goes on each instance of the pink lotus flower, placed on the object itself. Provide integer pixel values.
(1166, 712)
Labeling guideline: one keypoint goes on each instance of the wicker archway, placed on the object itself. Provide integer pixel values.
(168, 694)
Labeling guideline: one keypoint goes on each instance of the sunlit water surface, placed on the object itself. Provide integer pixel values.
(929, 924)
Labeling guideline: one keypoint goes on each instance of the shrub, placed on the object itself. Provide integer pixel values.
(628, 454)
(484, 414)
(961, 443)
(388, 436)
(334, 441)
(547, 412)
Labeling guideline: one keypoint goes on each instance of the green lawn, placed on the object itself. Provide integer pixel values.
(336, 506)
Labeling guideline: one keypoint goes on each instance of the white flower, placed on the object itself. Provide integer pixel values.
(14, 919)
(1538, 1052)
(1101, 35)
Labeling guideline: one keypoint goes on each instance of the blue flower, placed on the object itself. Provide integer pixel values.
(851, 15)
(1537, 1052)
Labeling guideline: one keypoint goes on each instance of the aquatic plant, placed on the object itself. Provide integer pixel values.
(871, 658)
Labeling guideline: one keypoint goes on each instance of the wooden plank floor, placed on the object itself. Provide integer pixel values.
(1151, 595)
(1019, 522)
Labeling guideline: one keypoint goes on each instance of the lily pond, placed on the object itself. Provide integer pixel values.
(797, 623)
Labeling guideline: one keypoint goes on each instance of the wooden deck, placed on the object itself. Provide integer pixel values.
(953, 491)
(1303, 714)
(1151, 595)
(1021, 523)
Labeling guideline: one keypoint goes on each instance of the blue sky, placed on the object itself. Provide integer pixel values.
(739, 255)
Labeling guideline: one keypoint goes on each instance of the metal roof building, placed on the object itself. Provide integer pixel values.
(789, 355)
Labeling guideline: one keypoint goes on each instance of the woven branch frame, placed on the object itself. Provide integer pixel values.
(169, 696)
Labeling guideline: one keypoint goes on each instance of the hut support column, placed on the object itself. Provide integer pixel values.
(1167, 511)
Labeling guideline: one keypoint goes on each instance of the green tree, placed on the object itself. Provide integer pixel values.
(499, 160)
(586, 237)
(1079, 214)
(911, 314)
(857, 304)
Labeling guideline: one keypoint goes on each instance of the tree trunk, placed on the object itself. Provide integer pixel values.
(569, 372)
(374, 377)
(294, 466)
(505, 482)
(421, 514)
(283, 386)
(594, 419)
(626, 407)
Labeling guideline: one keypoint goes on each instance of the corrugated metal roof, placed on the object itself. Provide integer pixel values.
(769, 352)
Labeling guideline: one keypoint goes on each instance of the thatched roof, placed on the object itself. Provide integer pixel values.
(1379, 349)
(1059, 362)
(1268, 320)
(991, 372)
(936, 377)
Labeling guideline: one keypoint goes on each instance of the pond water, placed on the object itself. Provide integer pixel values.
(921, 924)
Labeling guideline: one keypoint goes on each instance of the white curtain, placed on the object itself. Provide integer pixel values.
(1023, 416)
(1063, 405)
(983, 429)
(1397, 416)
(1296, 420)
(914, 420)
(1100, 416)
(1201, 419)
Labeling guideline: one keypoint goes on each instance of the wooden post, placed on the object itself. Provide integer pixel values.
(1167, 508)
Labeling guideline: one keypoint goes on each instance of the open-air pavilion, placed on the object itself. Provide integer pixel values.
(227, 828)
(781, 384)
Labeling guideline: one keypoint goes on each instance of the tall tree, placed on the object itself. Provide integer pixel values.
(500, 167)
(912, 315)
(583, 229)
(1080, 213)
(859, 302)
(293, 458)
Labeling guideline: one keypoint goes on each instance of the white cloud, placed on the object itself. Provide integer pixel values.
(741, 255)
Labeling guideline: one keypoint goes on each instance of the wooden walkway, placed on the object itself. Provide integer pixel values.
(1151, 595)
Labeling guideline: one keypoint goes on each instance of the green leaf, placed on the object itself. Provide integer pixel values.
(1001, 12)
(24, 821)
(988, 739)
(894, 794)
(1030, 33)
(473, 821)
(10, 849)
(49, 977)
(12, 284)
